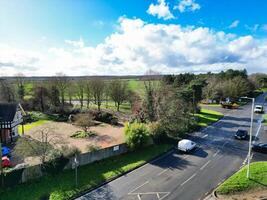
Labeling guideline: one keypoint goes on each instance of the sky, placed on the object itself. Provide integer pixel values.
(126, 37)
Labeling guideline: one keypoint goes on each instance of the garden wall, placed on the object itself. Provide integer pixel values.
(97, 155)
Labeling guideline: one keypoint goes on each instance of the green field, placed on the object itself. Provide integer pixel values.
(265, 119)
(206, 117)
(29, 126)
(239, 182)
(62, 185)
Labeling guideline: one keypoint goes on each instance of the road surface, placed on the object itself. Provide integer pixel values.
(177, 176)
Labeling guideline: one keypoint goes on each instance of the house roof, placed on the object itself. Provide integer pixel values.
(8, 111)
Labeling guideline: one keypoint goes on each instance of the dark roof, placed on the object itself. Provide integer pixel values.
(8, 111)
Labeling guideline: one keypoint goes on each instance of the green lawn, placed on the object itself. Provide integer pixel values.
(207, 117)
(211, 104)
(62, 186)
(239, 182)
(29, 126)
(265, 119)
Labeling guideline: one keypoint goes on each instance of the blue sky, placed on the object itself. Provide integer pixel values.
(42, 26)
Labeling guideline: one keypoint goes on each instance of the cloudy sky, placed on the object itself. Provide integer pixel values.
(126, 37)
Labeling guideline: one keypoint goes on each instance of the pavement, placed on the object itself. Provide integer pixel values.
(190, 176)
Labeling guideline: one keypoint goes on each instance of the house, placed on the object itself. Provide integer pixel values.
(10, 118)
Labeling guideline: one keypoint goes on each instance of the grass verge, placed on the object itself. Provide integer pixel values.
(62, 186)
(29, 126)
(239, 182)
(265, 119)
(206, 117)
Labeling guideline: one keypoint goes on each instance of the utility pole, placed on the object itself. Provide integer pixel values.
(250, 138)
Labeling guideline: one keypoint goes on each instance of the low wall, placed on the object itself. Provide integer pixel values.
(93, 156)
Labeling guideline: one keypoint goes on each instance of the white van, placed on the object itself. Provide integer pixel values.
(186, 145)
(258, 109)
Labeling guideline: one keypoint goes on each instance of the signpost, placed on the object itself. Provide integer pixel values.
(76, 164)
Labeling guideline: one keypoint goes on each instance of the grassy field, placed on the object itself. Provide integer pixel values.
(265, 119)
(207, 117)
(239, 182)
(29, 126)
(62, 186)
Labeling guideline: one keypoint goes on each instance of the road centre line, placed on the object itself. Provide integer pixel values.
(189, 179)
(205, 165)
(138, 187)
(204, 136)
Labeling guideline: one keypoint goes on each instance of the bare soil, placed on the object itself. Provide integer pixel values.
(251, 195)
(107, 135)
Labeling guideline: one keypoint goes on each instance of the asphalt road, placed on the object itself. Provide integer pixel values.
(190, 176)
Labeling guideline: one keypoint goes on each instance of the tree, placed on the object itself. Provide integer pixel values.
(42, 145)
(7, 93)
(61, 82)
(137, 135)
(70, 91)
(87, 92)
(151, 83)
(118, 92)
(20, 83)
(98, 90)
(80, 92)
(54, 95)
(40, 97)
(85, 121)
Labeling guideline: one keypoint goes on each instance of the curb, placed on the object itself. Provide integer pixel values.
(124, 173)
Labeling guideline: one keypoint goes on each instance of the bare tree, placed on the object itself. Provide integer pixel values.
(70, 91)
(80, 91)
(61, 81)
(87, 92)
(40, 97)
(42, 144)
(98, 90)
(7, 93)
(84, 121)
(118, 92)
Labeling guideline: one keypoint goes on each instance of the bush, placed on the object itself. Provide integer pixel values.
(137, 135)
(157, 132)
(69, 151)
(92, 147)
(83, 134)
(105, 117)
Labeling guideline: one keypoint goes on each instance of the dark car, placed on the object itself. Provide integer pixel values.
(241, 134)
(260, 147)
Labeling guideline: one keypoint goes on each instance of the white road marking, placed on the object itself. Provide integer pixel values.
(258, 131)
(151, 193)
(162, 172)
(205, 165)
(216, 153)
(138, 196)
(224, 144)
(189, 179)
(139, 187)
(204, 136)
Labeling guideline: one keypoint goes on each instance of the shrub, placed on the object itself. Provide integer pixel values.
(84, 134)
(137, 135)
(157, 132)
(105, 117)
(92, 147)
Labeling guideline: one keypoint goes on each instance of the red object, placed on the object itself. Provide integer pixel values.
(6, 162)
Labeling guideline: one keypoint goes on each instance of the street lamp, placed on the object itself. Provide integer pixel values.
(250, 134)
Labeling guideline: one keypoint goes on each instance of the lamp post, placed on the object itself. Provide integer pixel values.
(250, 134)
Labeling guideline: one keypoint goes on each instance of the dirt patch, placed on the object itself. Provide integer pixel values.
(107, 135)
(251, 195)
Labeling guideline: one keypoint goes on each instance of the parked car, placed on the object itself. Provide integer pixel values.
(186, 145)
(6, 162)
(241, 134)
(5, 151)
(260, 147)
(258, 109)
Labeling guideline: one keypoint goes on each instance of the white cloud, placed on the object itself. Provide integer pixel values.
(161, 10)
(138, 46)
(78, 43)
(264, 27)
(187, 5)
(234, 24)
